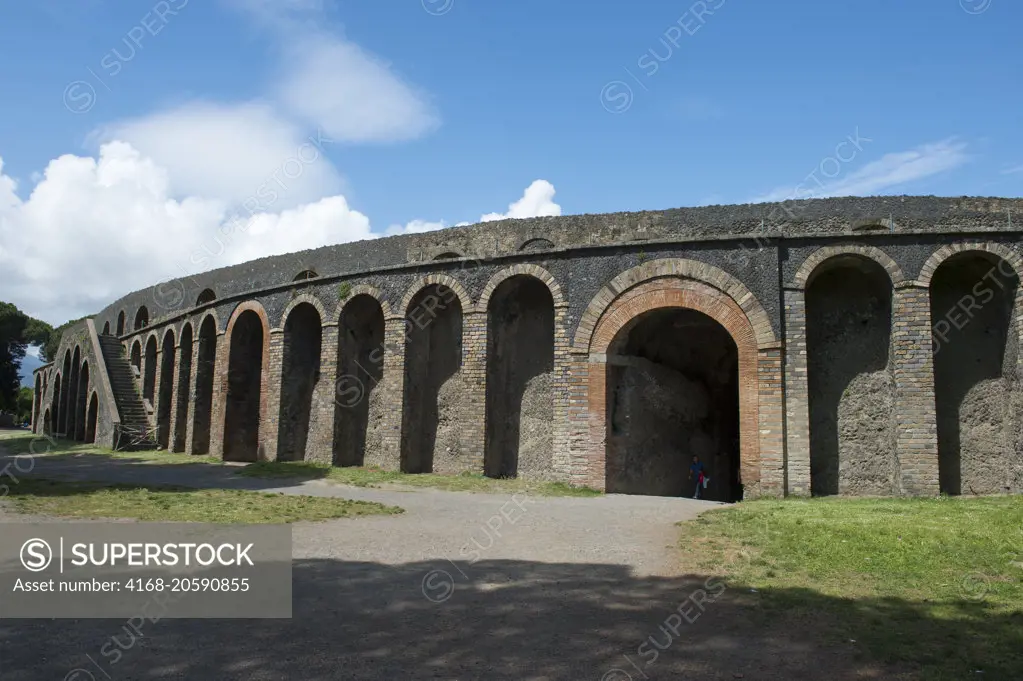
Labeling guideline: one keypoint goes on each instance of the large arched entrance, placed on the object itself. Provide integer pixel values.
(358, 413)
(90, 428)
(700, 338)
(184, 393)
(672, 394)
(974, 308)
(203, 411)
(163, 404)
(244, 388)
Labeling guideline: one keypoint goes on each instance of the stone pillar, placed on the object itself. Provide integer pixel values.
(320, 444)
(217, 410)
(772, 422)
(269, 427)
(173, 420)
(193, 395)
(561, 459)
(390, 392)
(474, 380)
(916, 424)
(797, 407)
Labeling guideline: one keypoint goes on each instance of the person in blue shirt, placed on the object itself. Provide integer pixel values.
(696, 469)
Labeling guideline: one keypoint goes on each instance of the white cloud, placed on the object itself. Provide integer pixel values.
(880, 176)
(355, 97)
(536, 201)
(93, 229)
(1013, 170)
(96, 228)
(242, 153)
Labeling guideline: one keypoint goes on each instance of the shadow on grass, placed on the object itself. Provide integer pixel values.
(511, 620)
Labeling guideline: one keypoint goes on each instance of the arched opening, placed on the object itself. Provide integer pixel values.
(520, 361)
(672, 394)
(136, 358)
(64, 387)
(207, 296)
(850, 378)
(244, 379)
(37, 404)
(71, 404)
(448, 255)
(300, 372)
(433, 356)
(120, 323)
(81, 403)
(141, 318)
(149, 372)
(165, 401)
(976, 349)
(90, 429)
(203, 410)
(184, 393)
(47, 423)
(54, 408)
(305, 275)
(106, 328)
(358, 413)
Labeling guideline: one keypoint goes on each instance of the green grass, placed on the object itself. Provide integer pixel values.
(368, 476)
(171, 504)
(932, 584)
(24, 442)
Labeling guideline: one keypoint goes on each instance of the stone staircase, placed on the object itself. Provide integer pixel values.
(136, 430)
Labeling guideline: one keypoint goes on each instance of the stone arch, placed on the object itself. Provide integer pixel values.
(443, 280)
(976, 309)
(298, 300)
(677, 268)
(54, 407)
(1007, 254)
(120, 323)
(300, 373)
(205, 370)
(206, 296)
(47, 426)
(92, 418)
(71, 404)
(149, 369)
(106, 328)
(37, 403)
(135, 357)
(61, 412)
(164, 402)
(536, 244)
(359, 416)
(81, 402)
(141, 318)
(818, 257)
(656, 293)
(519, 270)
(363, 290)
(305, 275)
(184, 388)
(248, 340)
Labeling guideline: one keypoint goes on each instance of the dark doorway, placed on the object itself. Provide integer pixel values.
(357, 416)
(244, 381)
(203, 410)
(300, 372)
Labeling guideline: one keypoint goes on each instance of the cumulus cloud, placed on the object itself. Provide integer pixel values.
(94, 228)
(878, 177)
(230, 152)
(537, 201)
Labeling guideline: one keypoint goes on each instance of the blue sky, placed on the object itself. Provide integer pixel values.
(433, 112)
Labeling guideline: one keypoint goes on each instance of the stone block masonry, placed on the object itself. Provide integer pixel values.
(598, 350)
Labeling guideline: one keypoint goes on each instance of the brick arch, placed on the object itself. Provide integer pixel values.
(201, 319)
(298, 300)
(1007, 254)
(676, 292)
(522, 269)
(818, 257)
(363, 290)
(221, 379)
(187, 324)
(677, 269)
(444, 280)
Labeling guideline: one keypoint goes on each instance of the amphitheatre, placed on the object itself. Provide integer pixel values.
(853, 346)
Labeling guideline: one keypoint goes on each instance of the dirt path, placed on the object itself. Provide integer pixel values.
(461, 586)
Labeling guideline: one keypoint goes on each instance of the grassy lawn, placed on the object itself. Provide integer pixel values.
(931, 585)
(170, 504)
(23, 442)
(374, 477)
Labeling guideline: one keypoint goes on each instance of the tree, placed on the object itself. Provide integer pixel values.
(25, 398)
(12, 350)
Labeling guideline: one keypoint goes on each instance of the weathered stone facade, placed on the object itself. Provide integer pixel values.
(843, 346)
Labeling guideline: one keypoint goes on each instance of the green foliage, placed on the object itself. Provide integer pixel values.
(53, 342)
(12, 350)
(344, 290)
(24, 411)
(641, 256)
